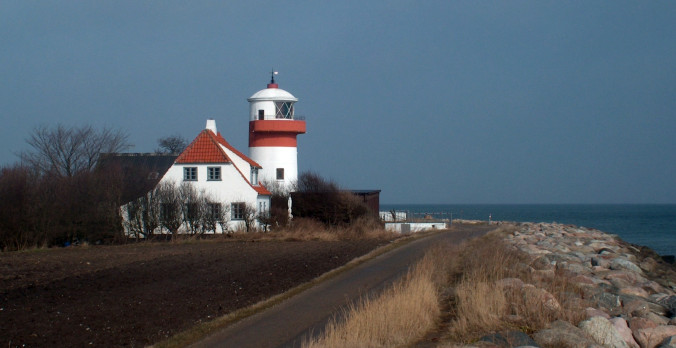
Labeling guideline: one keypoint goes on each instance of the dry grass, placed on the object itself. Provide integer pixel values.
(309, 229)
(489, 297)
(399, 316)
(489, 287)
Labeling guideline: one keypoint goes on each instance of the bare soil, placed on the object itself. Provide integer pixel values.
(136, 295)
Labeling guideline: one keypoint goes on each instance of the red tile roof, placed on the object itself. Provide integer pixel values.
(204, 149)
(261, 189)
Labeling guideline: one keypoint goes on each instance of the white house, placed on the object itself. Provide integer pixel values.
(218, 171)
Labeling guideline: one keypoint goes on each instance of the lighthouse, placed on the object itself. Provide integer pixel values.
(273, 128)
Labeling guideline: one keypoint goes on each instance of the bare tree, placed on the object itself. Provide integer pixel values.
(171, 144)
(66, 151)
(249, 216)
(217, 214)
(143, 214)
(170, 207)
(193, 207)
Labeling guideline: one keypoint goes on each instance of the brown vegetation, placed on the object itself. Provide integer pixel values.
(400, 315)
(495, 290)
(478, 288)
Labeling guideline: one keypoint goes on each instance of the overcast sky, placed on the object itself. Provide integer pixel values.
(429, 101)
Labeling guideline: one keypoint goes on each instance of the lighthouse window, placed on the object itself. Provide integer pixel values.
(280, 173)
(190, 173)
(284, 109)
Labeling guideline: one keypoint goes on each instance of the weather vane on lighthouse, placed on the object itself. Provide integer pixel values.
(272, 75)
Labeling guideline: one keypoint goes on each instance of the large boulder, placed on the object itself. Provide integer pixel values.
(509, 339)
(649, 338)
(623, 329)
(563, 334)
(603, 332)
(620, 264)
(669, 342)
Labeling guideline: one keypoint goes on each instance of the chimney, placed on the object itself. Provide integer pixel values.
(211, 125)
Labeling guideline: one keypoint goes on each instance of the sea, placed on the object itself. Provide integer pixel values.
(651, 225)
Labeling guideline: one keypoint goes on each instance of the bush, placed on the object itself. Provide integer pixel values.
(322, 200)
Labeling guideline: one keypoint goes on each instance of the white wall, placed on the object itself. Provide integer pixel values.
(271, 158)
(231, 188)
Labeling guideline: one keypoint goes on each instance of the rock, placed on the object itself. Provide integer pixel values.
(648, 264)
(620, 264)
(606, 301)
(509, 339)
(621, 326)
(573, 267)
(514, 283)
(540, 296)
(583, 280)
(633, 290)
(652, 287)
(593, 312)
(636, 308)
(638, 323)
(669, 342)
(657, 319)
(542, 263)
(600, 261)
(649, 338)
(603, 332)
(669, 303)
(563, 334)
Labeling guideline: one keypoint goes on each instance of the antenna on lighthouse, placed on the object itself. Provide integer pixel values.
(272, 75)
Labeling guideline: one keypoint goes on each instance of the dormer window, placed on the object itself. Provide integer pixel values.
(284, 110)
(254, 176)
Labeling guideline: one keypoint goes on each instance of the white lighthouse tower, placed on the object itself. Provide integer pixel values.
(273, 128)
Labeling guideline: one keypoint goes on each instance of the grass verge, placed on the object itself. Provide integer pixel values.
(399, 316)
(459, 293)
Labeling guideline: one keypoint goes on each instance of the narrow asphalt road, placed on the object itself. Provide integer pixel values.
(292, 321)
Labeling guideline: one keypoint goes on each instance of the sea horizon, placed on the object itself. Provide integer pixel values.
(647, 224)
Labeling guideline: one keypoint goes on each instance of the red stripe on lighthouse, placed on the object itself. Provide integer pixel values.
(272, 139)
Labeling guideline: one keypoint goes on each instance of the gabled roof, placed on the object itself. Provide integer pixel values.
(205, 149)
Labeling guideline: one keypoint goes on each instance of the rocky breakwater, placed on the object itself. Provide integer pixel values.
(627, 292)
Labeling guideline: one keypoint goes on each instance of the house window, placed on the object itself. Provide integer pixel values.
(254, 176)
(237, 211)
(213, 173)
(280, 173)
(192, 211)
(215, 211)
(167, 212)
(190, 173)
(262, 208)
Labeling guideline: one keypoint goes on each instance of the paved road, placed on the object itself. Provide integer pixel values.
(289, 323)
